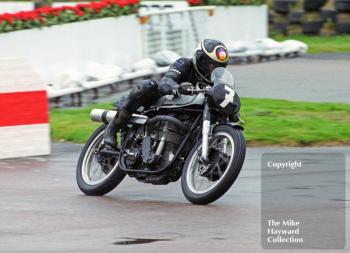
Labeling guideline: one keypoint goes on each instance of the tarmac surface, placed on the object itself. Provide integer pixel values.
(315, 78)
(42, 210)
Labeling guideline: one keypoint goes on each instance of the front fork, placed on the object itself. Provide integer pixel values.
(205, 133)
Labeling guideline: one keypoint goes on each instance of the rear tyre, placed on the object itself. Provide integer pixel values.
(226, 163)
(96, 178)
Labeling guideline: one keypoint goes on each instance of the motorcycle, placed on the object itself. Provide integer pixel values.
(196, 137)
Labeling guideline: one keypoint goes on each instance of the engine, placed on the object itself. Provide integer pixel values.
(154, 148)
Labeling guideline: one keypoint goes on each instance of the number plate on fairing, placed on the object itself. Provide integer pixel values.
(224, 98)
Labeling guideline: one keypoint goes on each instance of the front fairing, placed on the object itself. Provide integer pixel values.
(222, 95)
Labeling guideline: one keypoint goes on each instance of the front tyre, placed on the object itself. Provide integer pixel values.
(204, 183)
(96, 174)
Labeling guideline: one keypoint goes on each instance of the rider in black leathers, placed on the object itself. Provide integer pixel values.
(209, 55)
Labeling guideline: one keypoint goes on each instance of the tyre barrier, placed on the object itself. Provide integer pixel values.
(313, 5)
(271, 18)
(281, 28)
(342, 5)
(328, 15)
(342, 27)
(342, 23)
(24, 121)
(295, 18)
(282, 6)
(312, 27)
(311, 17)
(294, 29)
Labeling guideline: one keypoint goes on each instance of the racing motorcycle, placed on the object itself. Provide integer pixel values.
(196, 137)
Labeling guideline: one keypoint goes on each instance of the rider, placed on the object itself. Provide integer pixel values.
(209, 55)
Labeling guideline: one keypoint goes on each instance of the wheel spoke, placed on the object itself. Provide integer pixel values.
(95, 171)
(221, 150)
(219, 170)
(224, 157)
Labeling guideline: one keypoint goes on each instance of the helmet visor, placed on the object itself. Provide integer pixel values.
(206, 65)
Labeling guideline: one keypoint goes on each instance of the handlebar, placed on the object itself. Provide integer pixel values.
(189, 89)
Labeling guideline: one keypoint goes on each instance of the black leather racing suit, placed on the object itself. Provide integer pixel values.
(148, 91)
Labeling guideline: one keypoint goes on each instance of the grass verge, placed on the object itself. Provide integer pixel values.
(321, 44)
(268, 122)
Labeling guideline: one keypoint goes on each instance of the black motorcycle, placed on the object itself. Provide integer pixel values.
(197, 137)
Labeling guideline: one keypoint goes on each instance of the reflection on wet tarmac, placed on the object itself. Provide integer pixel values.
(131, 241)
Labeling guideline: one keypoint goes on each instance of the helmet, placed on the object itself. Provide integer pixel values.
(209, 54)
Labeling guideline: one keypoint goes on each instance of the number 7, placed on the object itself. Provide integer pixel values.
(228, 97)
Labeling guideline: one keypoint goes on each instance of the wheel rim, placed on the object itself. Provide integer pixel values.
(200, 184)
(91, 170)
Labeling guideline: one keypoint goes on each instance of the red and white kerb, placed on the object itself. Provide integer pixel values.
(24, 117)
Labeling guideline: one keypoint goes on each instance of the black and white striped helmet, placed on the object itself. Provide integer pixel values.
(209, 54)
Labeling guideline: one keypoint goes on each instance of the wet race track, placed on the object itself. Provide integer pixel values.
(315, 78)
(42, 210)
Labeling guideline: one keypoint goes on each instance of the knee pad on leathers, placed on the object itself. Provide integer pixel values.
(144, 94)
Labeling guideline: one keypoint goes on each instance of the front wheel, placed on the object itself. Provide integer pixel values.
(204, 183)
(97, 174)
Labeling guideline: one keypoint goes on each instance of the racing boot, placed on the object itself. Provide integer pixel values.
(114, 126)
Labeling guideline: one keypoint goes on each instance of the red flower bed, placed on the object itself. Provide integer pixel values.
(47, 16)
(194, 2)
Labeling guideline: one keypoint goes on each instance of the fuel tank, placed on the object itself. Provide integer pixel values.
(170, 101)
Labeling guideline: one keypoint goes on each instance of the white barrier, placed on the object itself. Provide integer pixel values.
(54, 49)
(24, 123)
(180, 29)
(243, 23)
(12, 7)
(123, 40)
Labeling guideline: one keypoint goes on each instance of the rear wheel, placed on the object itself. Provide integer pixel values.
(97, 174)
(204, 183)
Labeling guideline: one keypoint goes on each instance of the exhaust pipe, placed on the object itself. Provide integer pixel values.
(106, 116)
(100, 115)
